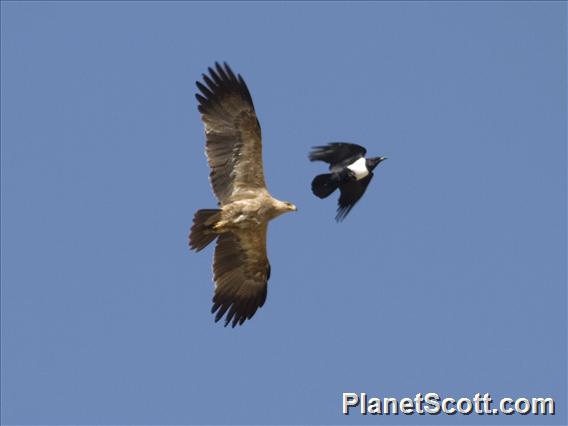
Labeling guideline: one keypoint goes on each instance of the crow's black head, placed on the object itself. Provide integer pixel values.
(374, 162)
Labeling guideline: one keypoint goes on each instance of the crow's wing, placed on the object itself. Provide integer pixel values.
(351, 192)
(337, 154)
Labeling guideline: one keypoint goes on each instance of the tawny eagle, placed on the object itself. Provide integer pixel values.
(234, 152)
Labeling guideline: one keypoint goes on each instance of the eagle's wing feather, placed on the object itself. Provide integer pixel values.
(232, 133)
(337, 154)
(351, 192)
(241, 271)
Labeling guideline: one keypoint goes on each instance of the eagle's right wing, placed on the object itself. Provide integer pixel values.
(232, 132)
(241, 271)
(337, 154)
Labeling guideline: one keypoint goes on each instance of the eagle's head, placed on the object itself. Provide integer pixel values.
(290, 207)
(281, 207)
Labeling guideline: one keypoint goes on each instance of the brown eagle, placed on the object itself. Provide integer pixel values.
(234, 152)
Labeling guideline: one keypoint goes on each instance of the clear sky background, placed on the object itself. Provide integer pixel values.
(449, 276)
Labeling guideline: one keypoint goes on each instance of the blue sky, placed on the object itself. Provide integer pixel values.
(449, 276)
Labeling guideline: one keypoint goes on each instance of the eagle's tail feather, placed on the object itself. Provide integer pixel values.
(202, 232)
(324, 185)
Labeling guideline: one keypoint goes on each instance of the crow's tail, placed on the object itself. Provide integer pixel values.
(324, 185)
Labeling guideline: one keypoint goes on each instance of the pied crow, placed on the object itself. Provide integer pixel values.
(350, 171)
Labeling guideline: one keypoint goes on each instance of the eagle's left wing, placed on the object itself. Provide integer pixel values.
(232, 133)
(241, 271)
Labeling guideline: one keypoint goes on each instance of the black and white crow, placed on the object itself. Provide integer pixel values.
(351, 172)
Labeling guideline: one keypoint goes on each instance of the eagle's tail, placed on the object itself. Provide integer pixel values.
(324, 185)
(202, 232)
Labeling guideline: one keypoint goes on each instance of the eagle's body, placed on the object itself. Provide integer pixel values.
(234, 152)
(249, 213)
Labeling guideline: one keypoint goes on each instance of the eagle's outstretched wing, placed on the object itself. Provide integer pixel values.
(337, 154)
(241, 271)
(351, 192)
(232, 132)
